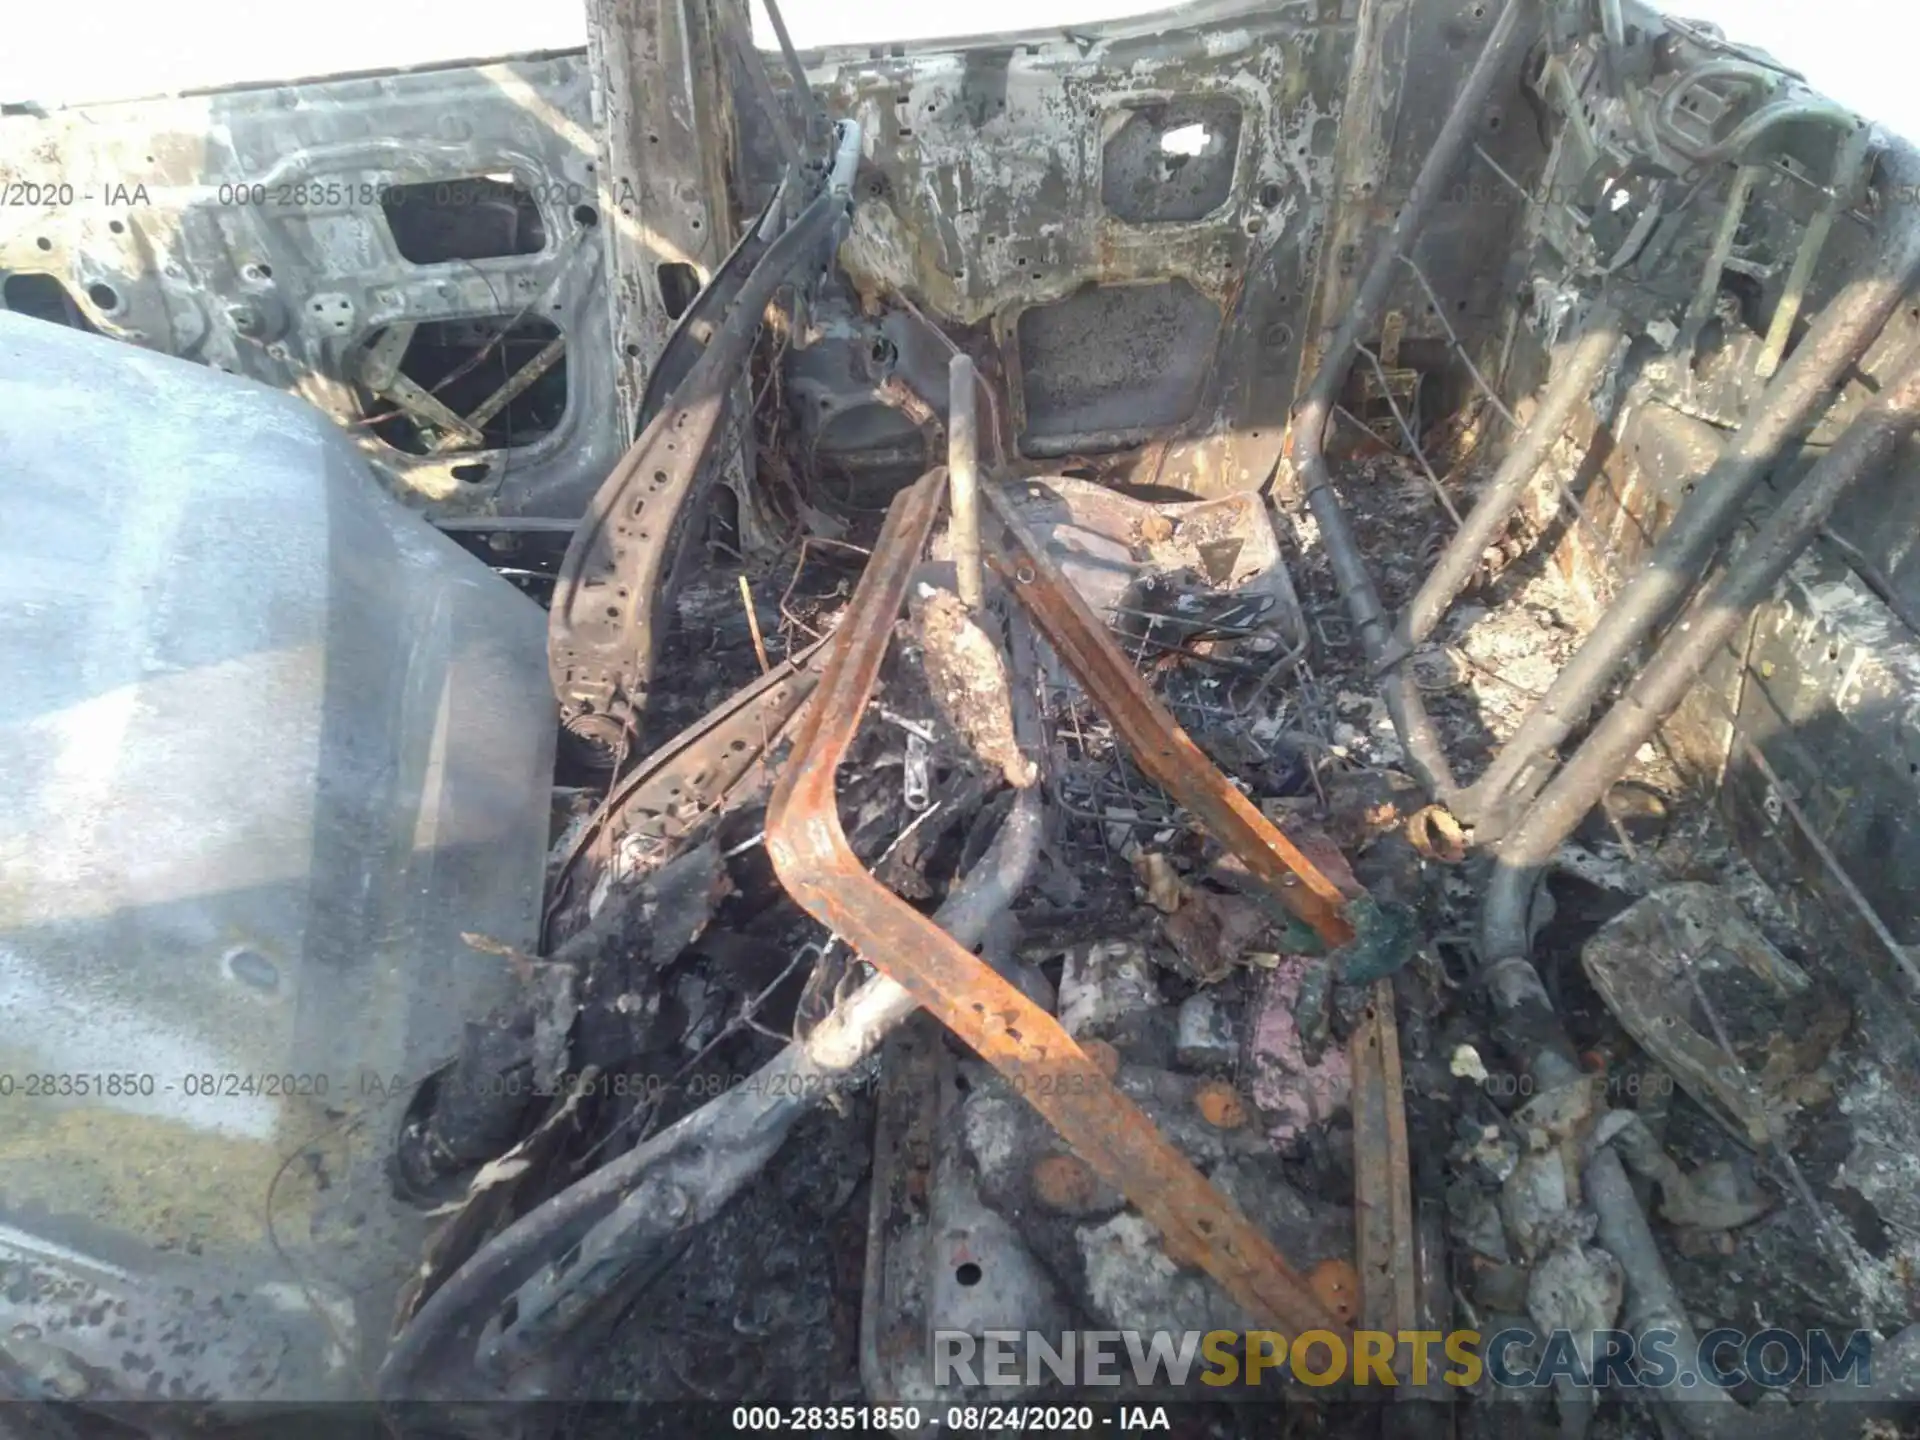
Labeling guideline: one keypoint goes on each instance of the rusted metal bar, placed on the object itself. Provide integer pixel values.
(517, 384)
(1385, 1243)
(1026, 1044)
(423, 405)
(1163, 751)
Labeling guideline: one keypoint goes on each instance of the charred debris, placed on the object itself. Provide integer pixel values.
(992, 891)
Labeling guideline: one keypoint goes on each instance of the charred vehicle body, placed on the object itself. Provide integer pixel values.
(1252, 669)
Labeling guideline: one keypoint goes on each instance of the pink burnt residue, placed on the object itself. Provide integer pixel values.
(1291, 1092)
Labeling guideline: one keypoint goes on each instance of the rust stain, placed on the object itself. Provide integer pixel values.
(1337, 1284)
(1065, 1183)
(1220, 1106)
(1105, 1058)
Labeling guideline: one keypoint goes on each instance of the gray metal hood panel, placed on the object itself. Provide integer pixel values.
(270, 745)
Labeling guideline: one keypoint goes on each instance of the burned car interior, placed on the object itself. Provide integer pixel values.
(694, 724)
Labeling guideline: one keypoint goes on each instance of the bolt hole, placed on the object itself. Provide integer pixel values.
(967, 1274)
(105, 296)
(44, 243)
(252, 968)
(1270, 195)
(116, 227)
(585, 216)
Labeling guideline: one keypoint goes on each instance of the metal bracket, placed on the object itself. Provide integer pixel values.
(623, 563)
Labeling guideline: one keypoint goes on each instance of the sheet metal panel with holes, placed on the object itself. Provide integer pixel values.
(397, 248)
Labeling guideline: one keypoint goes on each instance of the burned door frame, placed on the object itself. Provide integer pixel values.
(253, 229)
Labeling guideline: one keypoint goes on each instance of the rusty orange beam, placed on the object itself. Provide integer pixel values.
(1382, 1171)
(1164, 752)
(1019, 1039)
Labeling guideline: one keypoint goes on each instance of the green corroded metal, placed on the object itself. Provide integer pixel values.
(1385, 936)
